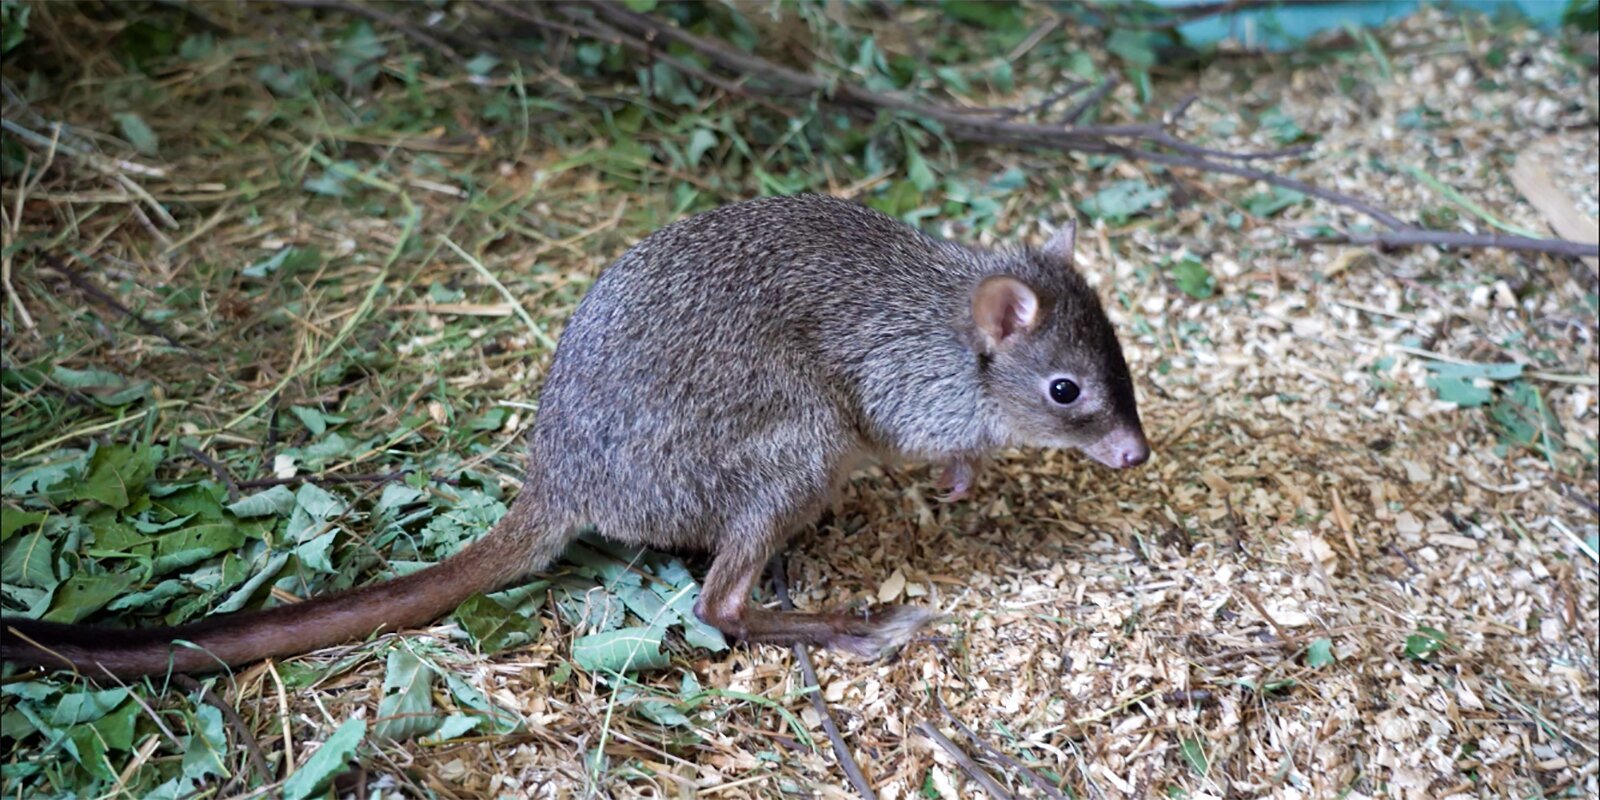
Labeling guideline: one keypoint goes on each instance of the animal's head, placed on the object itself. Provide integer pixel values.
(1051, 362)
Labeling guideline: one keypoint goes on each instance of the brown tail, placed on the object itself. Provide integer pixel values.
(506, 553)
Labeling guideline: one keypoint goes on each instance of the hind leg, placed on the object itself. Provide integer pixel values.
(725, 605)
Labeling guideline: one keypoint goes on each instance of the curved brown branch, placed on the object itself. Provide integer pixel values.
(1417, 237)
(1152, 142)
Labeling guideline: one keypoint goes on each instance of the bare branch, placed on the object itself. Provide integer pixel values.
(1151, 142)
(1417, 237)
(808, 673)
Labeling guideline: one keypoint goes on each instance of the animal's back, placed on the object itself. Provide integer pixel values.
(713, 365)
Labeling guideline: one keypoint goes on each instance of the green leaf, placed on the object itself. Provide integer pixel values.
(1120, 201)
(276, 501)
(84, 743)
(311, 418)
(13, 24)
(117, 474)
(313, 506)
(13, 519)
(138, 133)
(996, 15)
(681, 598)
(203, 749)
(292, 260)
(494, 626)
(196, 543)
(656, 709)
(281, 81)
(330, 183)
(57, 468)
(107, 388)
(1194, 754)
(1283, 127)
(1525, 420)
(501, 720)
(1193, 278)
(1425, 642)
(700, 141)
(406, 709)
(1136, 48)
(80, 707)
(1320, 653)
(1493, 372)
(1273, 201)
(241, 596)
(623, 650)
(329, 760)
(81, 595)
(1584, 15)
(14, 724)
(917, 171)
(641, 6)
(453, 726)
(29, 561)
(1460, 391)
(356, 58)
(116, 728)
(198, 46)
(481, 64)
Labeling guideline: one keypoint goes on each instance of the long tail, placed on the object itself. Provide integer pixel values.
(512, 549)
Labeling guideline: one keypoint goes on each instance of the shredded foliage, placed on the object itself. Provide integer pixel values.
(281, 281)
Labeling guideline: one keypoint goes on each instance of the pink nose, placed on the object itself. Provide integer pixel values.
(1135, 454)
(1122, 448)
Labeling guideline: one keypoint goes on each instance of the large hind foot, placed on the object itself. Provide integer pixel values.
(881, 631)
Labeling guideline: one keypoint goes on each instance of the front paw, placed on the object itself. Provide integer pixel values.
(955, 480)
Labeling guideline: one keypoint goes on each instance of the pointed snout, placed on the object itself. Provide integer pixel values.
(1122, 448)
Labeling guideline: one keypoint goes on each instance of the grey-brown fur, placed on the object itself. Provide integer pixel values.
(723, 378)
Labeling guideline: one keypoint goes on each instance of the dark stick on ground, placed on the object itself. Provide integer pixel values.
(217, 469)
(1022, 769)
(760, 78)
(229, 715)
(88, 287)
(1459, 239)
(1089, 101)
(968, 766)
(383, 17)
(808, 673)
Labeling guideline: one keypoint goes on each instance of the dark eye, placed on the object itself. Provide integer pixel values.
(1063, 391)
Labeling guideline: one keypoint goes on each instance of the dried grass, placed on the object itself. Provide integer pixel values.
(1106, 627)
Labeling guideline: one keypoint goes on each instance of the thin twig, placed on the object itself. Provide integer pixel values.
(1255, 602)
(1089, 101)
(1450, 239)
(1177, 17)
(841, 751)
(218, 469)
(1021, 768)
(380, 16)
(87, 287)
(965, 761)
(1208, 165)
(293, 480)
(229, 715)
(761, 76)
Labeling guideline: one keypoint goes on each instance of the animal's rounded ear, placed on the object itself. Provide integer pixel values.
(1004, 309)
(1059, 248)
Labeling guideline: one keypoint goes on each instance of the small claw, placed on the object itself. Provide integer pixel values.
(956, 480)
